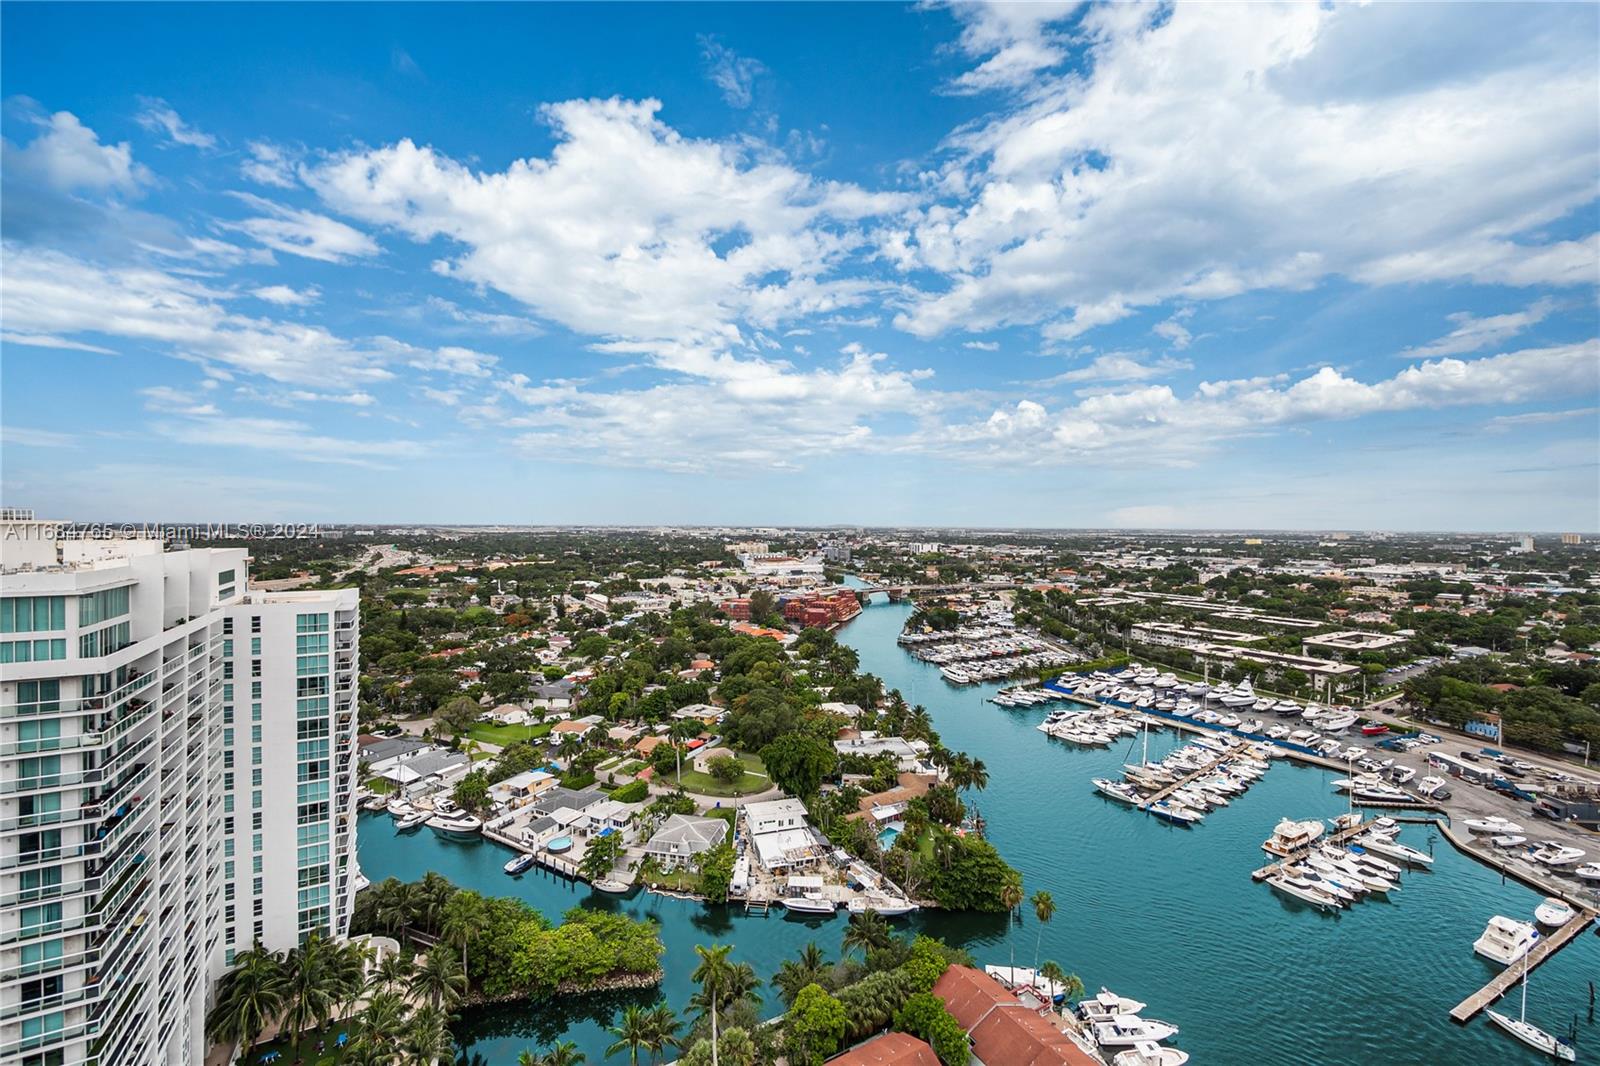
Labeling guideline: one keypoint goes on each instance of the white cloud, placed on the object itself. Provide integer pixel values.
(1152, 423)
(730, 72)
(982, 346)
(1013, 39)
(69, 157)
(285, 296)
(26, 437)
(1119, 366)
(191, 421)
(1174, 331)
(159, 117)
(1503, 423)
(44, 340)
(627, 230)
(1473, 333)
(303, 233)
(269, 164)
(1211, 150)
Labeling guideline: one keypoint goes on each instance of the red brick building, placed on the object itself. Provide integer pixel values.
(1003, 1031)
(822, 608)
(890, 1049)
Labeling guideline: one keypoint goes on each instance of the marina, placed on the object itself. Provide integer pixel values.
(1113, 876)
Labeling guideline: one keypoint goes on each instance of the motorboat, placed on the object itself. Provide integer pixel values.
(374, 803)
(1105, 1005)
(1401, 774)
(1169, 810)
(1588, 871)
(398, 807)
(1366, 858)
(1025, 977)
(1554, 913)
(1304, 891)
(1555, 1046)
(1126, 1030)
(1290, 836)
(1384, 845)
(410, 821)
(1555, 853)
(1120, 791)
(877, 903)
(1149, 1053)
(1508, 840)
(1505, 940)
(1433, 787)
(612, 885)
(519, 864)
(458, 824)
(1241, 696)
(1494, 824)
(809, 903)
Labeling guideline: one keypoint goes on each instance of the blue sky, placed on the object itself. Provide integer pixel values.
(1042, 265)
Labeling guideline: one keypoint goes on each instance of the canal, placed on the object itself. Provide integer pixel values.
(1165, 915)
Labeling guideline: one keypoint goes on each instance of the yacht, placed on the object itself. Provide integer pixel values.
(1126, 1030)
(1434, 788)
(1385, 845)
(410, 821)
(878, 903)
(1286, 708)
(1555, 853)
(1554, 913)
(1508, 840)
(374, 803)
(1304, 891)
(1176, 813)
(1555, 1046)
(1149, 1053)
(1493, 824)
(1106, 1005)
(456, 824)
(1291, 836)
(611, 885)
(1337, 722)
(519, 864)
(1505, 940)
(809, 903)
(1120, 791)
(1588, 871)
(398, 807)
(1241, 696)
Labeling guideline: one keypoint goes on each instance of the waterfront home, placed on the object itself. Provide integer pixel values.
(433, 768)
(888, 1049)
(846, 710)
(513, 791)
(768, 816)
(577, 800)
(606, 814)
(1003, 1029)
(909, 755)
(883, 808)
(682, 838)
(381, 753)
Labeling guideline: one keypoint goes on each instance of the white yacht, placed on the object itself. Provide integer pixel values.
(1304, 891)
(1290, 836)
(1106, 1005)
(410, 821)
(519, 864)
(1508, 840)
(456, 824)
(1242, 695)
(877, 903)
(1386, 845)
(1556, 1047)
(1554, 913)
(1494, 824)
(1120, 791)
(1555, 854)
(1434, 787)
(1149, 1053)
(1505, 940)
(1588, 871)
(1126, 1030)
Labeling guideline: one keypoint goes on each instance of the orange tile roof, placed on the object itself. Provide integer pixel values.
(1004, 1031)
(890, 1049)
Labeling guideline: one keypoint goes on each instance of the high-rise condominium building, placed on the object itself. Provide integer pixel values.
(177, 772)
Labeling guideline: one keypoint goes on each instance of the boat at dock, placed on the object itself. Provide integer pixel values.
(1126, 1030)
(410, 821)
(809, 903)
(519, 864)
(1505, 940)
(457, 824)
(1105, 1005)
(1149, 1053)
(375, 803)
(1553, 913)
(1290, 836)
(611, 885)
(1556, 1047)
(880, 904)
(1386, 845)
(1304, 891)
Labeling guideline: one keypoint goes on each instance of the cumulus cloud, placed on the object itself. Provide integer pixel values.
(1206, 151)
(627, 230)
(1014, 40)
(68, 156)
(288, 296)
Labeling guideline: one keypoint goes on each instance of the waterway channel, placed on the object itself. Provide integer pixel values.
(1166, 915)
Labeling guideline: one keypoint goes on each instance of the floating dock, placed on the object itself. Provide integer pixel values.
(1547, 946)
(1337, 837)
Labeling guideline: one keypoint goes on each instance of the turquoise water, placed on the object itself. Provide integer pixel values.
(1166, 915)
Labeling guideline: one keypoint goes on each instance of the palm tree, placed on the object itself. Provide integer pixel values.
(349, 967)
(427, 1036)
(919, 723)
(433, 892)
(314, 989)
(249, 997)
(1044, 908)
(1071, 984)
(632, 1033)
(395, 904)
(868, 931)
(798, 972)
(713, 974)
(977, 774)
(662, 1025)
(561, 1053)
(391, 974)
(569, 747)
(439, 980)
(463, 921)
(1011, 898)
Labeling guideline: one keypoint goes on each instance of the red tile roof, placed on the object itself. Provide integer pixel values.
(890, 1049)
(969, 994)
(1004, 1032)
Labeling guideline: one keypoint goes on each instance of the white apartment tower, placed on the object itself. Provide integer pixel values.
(177, 763)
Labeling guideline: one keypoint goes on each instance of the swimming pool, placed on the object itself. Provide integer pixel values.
(558, 845)
(887, 837)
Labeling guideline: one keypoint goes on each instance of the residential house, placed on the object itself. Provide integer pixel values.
(1003, 1030)
(682, 838)
(888, 1049)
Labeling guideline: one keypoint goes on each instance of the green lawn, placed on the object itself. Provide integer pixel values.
(501, 735)
(379, 786)
(754, 780)
(308, 1047)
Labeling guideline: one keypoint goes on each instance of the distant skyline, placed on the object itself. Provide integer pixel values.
(1050, 265)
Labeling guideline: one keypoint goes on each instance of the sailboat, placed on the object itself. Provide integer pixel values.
(1530, 1034)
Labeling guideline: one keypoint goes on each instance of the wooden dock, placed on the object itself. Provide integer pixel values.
(1205, 771)
(1547, 946)
(1338, 836)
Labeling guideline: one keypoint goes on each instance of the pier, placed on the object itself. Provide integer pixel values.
(1205, 771)
(1338, 836)
(1547, 946)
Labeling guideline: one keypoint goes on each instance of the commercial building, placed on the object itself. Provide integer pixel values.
(822, 608)
(163, 731)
